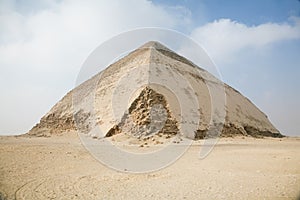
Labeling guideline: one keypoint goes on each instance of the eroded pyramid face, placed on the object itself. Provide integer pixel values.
(148, 115)
(154, 91)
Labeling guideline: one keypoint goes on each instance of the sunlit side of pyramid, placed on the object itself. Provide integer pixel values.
(99, 102)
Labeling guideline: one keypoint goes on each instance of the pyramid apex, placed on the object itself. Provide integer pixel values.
(155, 45)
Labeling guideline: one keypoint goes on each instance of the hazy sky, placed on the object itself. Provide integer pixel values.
(255, 45)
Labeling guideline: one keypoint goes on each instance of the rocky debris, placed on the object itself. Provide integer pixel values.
(54, 125)
(148, 115)
(230, 130)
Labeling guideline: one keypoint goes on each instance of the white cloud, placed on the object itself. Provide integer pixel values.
(43, 46)
(224, 37)
(71, 28)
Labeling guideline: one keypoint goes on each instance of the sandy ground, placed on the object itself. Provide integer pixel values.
(59, 167)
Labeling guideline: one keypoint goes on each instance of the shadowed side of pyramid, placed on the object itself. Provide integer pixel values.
(100, 100)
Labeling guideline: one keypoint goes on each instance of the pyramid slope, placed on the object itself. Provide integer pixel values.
(92, 102)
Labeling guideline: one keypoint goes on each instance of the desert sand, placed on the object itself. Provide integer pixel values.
(59, 167)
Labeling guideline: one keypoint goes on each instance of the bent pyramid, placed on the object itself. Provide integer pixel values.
(153, 90)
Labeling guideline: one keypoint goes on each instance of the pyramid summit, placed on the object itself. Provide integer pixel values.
(153, 90)
(155, 45)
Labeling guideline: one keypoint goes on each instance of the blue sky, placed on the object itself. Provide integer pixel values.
(43, 44)
(249, 12)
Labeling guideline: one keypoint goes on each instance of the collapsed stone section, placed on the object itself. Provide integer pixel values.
(148, 114)
(54, 123)
(231, 130)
